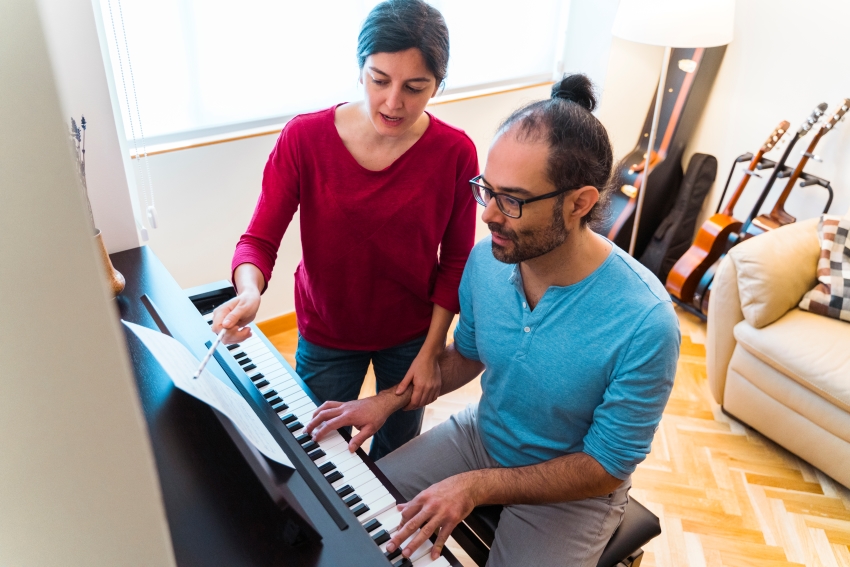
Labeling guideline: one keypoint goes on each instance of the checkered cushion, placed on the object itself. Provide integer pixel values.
(831, 296)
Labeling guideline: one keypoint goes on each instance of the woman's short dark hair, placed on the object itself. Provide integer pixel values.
(398, 25)
(579, 149)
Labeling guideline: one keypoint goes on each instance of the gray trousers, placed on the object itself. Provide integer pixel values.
(562, 534)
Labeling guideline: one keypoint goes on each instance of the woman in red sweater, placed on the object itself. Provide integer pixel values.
(387, 223)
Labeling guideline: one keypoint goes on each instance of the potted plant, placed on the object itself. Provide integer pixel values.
(78, 137)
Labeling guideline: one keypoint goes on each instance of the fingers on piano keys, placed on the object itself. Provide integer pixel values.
(363, 493)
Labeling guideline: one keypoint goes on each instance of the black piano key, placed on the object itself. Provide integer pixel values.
(244, 361)
(392, 554)
(262, 383)
(316, 455)
(372, 525)
(288, 418)
(249, 368)
(352, 500)
(274, 401)
(310, 446)
(270, 394)
(334, 476)
(403, 562)
(327, 467)
(256, 376)
(303, 438)
(209, 322)
(239, 355)
(280, 407)
(345, 491)
(233, 346)
(381, 537)
(293, 427)
(360, 509)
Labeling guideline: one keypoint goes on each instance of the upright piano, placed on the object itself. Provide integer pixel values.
(225, 503)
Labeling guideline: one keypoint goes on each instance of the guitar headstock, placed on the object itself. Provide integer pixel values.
(812, 119)
(839, 114)
(775, 136)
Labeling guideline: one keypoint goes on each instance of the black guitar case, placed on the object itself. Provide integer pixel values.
(675, 234)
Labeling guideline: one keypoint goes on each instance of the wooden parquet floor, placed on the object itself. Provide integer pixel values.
(725, 495)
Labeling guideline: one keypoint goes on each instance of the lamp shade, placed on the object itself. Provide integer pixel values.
(676, 23)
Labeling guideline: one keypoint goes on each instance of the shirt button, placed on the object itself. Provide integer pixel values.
(524, 305)
(527, 329)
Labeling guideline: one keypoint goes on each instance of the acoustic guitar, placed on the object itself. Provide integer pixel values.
(713, 234)
(688, 84)
(702, 293)
(778, 216)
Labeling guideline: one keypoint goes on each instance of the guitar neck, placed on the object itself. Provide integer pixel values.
(733, 200)
(778, 211)
(780, 165)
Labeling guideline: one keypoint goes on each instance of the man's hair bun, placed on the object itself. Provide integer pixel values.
(575, 88)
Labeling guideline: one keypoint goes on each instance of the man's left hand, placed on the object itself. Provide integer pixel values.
(438, 508)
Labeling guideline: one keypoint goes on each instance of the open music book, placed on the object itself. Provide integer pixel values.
(180, 365)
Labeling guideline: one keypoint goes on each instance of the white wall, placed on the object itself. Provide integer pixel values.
(78, 484)
(84, 90)
(787, 57)
(587, 44)
(205, 197)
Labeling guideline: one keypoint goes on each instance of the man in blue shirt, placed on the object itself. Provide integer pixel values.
(578, 343)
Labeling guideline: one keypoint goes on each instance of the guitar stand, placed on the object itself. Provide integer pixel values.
(806, 179)
(689, 308)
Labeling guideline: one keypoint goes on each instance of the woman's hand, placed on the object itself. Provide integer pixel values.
(235, 316)
(424, 374)
(241, 310)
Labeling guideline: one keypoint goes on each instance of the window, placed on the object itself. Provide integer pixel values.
(202, 67)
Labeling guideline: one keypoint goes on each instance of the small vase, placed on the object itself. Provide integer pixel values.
(116, 280)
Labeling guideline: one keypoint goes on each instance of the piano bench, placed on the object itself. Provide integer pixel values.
(475, 535)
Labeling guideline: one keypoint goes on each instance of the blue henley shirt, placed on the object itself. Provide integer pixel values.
(588, 370)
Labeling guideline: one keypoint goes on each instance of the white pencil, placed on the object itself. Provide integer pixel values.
(207, 358)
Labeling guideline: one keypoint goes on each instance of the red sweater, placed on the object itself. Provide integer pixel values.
(370, 271)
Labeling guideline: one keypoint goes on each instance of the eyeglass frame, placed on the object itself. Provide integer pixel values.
(473, 184)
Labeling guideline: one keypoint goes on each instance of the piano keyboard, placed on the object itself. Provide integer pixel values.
(363, 493)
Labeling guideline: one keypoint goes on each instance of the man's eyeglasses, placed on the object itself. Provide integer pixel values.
(510, 206)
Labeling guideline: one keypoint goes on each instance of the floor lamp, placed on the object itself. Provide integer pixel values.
(671, 23)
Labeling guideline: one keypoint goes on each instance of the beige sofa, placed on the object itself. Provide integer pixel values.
(783, 371)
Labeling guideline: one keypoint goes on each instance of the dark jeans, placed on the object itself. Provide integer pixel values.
(338, 375)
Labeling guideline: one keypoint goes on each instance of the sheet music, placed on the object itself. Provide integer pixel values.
(180, 365)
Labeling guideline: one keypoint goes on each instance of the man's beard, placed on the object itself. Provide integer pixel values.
(528, 244)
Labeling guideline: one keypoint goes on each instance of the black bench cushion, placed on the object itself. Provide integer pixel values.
(639, 526)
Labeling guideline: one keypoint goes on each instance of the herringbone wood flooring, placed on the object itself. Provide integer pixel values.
(726, 495)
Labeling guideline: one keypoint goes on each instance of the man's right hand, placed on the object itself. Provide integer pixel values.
(367, 415)
(235, 316)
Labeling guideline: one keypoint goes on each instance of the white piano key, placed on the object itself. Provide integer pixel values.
(378, 507)
(278, 375)
(426, 562)
(334, 445)
(343, 462)
(390, 520)
(367, 488)
(262, 359)
(352, 474)
(355, 472)
(423, 550)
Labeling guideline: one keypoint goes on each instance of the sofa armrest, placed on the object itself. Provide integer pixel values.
(724, 312)
(775, 270)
